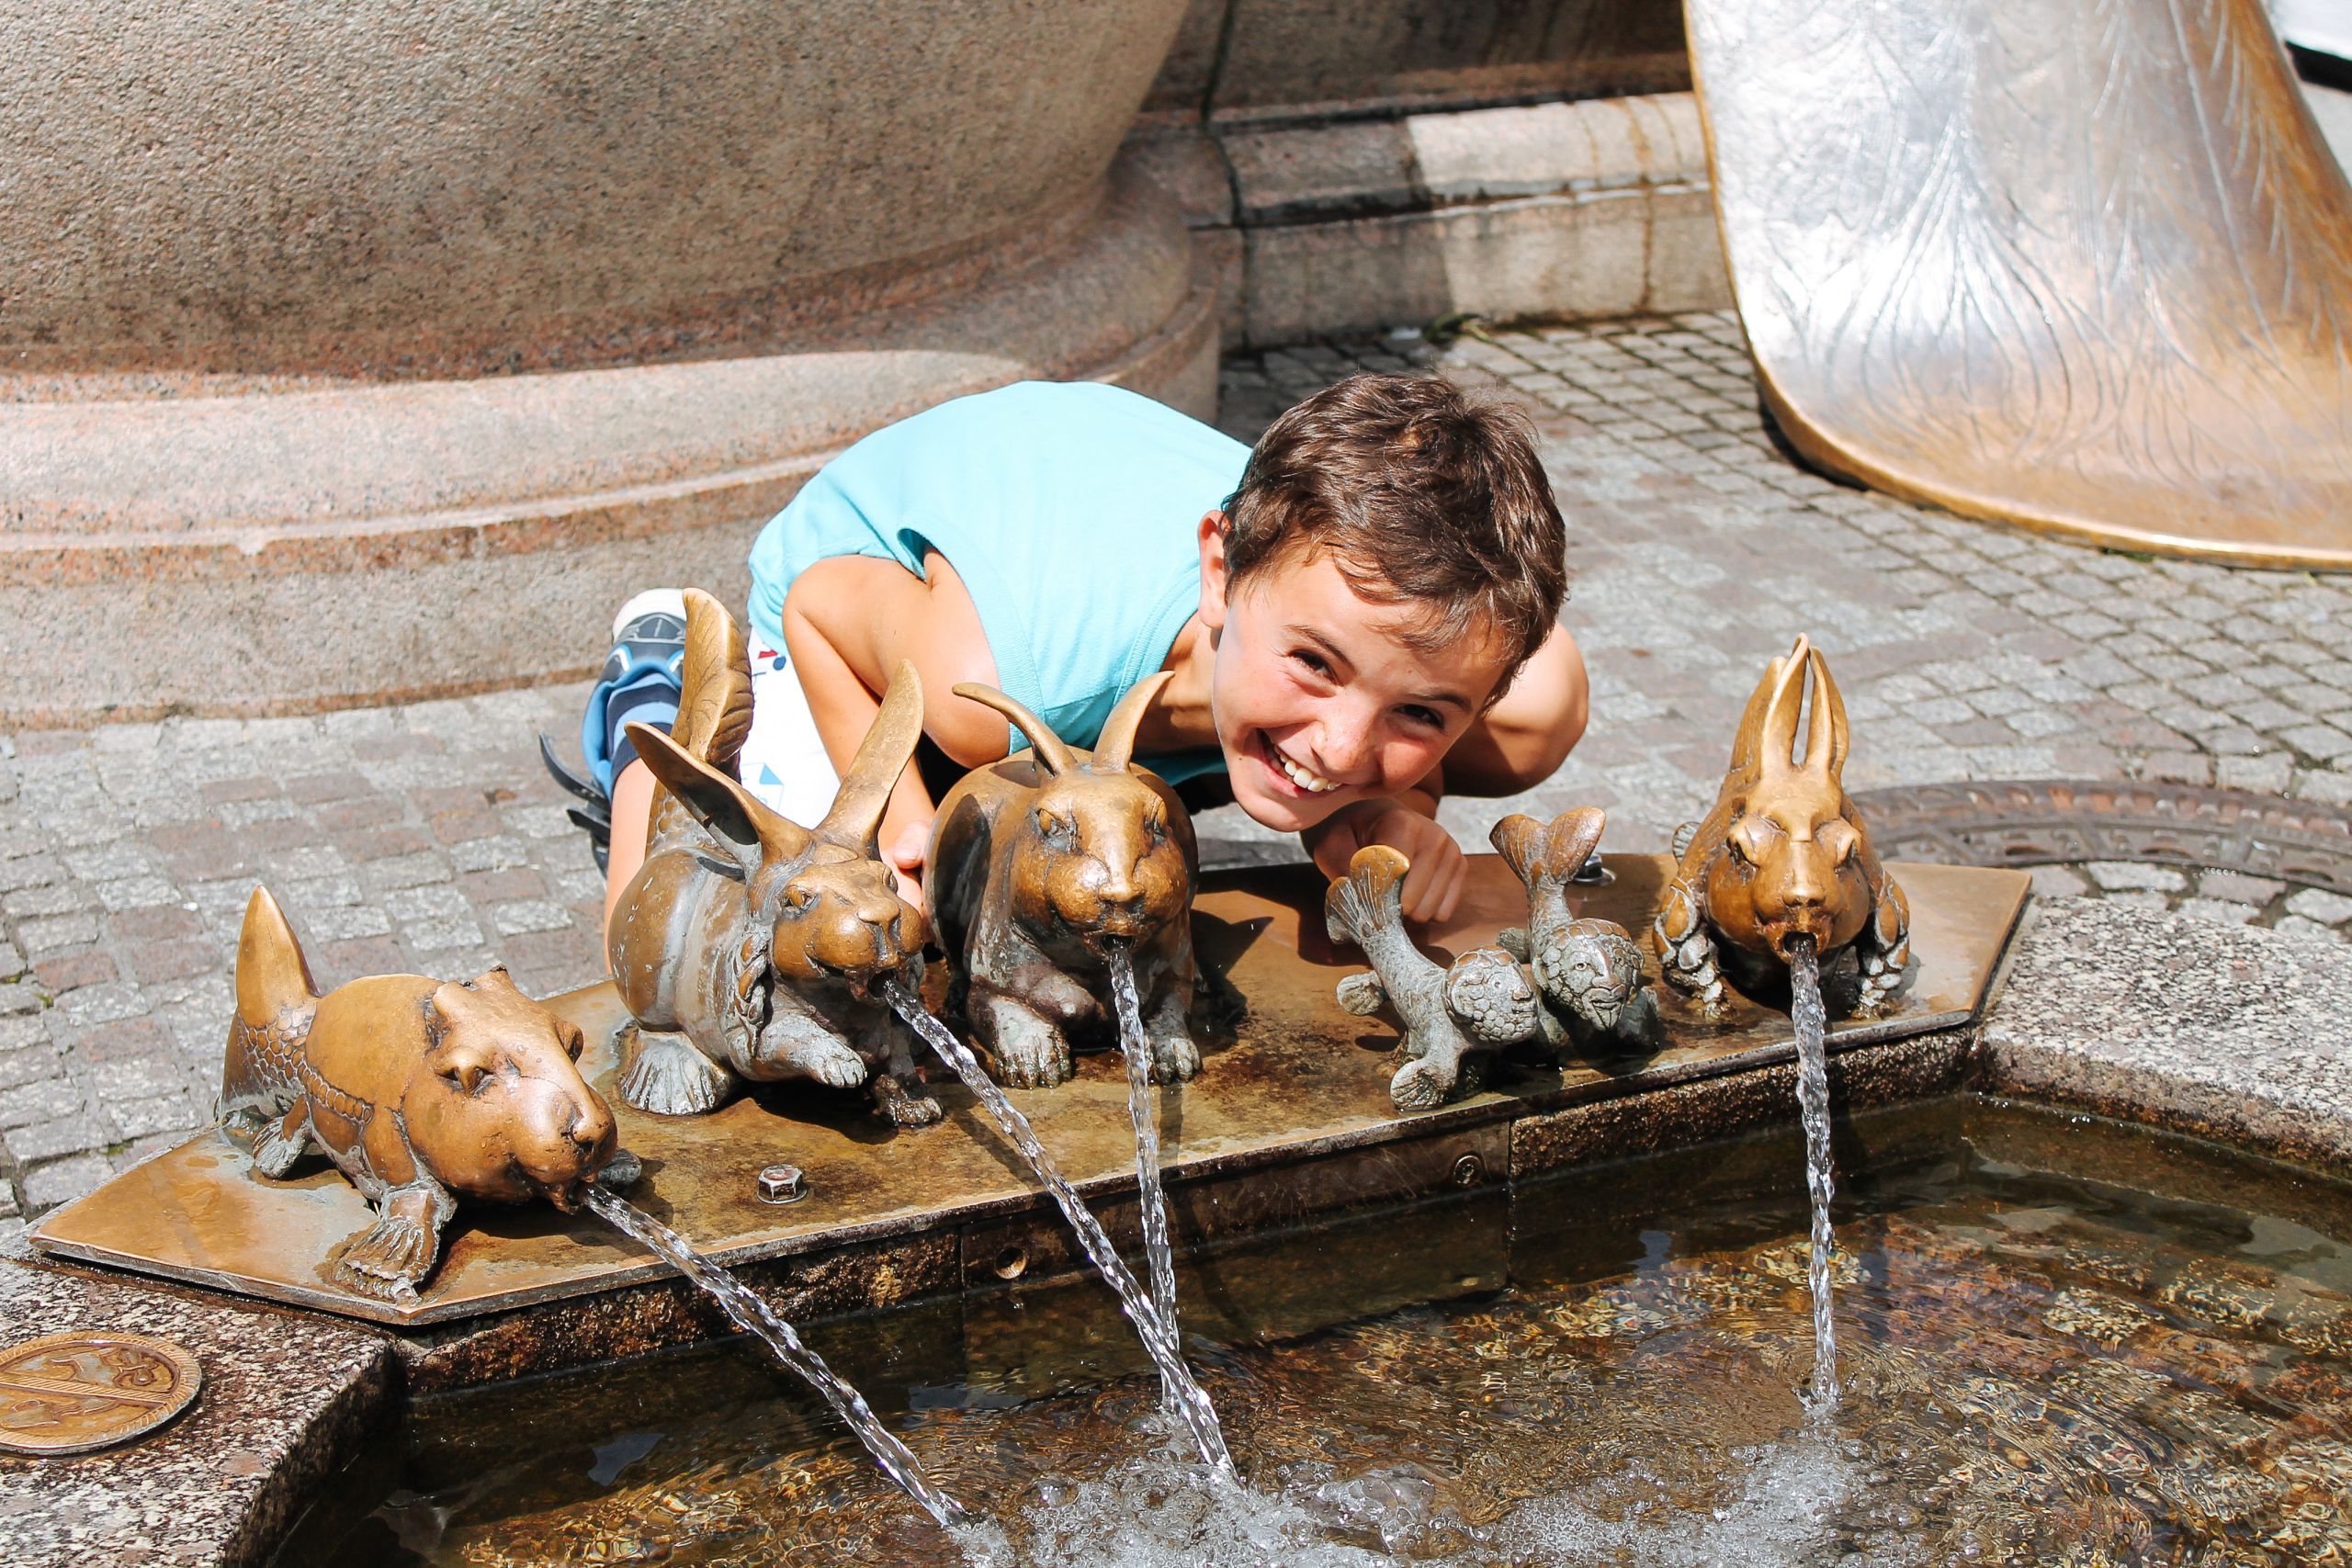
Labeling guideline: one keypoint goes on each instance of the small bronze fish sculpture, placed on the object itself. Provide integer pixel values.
(1453, 1016)
(1589, 970)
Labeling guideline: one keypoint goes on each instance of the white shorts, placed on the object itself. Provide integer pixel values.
(782, 763)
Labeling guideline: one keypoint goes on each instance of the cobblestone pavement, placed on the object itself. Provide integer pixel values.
(426, 838)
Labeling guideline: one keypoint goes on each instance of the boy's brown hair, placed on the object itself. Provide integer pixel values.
(1419, 494)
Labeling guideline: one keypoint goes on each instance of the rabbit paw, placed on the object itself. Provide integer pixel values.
(1029, 1053)
(669, 1078)
(389, 1259)
(1174, 1057)
(827, 1060)
(893, 1100)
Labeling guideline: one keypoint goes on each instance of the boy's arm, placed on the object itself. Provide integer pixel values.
(847, 623)
(1406, 822)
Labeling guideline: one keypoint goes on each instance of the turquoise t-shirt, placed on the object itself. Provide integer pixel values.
(1069, 509)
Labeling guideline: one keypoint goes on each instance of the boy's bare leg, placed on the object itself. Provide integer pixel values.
(632, 815)
(1524, 737)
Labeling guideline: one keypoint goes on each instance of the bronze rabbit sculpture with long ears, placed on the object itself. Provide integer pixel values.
(748, 946)
(1783, 857)
(1039, 864)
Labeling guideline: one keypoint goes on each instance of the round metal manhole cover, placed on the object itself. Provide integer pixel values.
(2230, 854)
(69, 1394)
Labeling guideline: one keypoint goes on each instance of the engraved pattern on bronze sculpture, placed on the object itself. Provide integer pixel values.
(72, 1393)
(1453, 1016)
(748, 946)
(1589, 970)
(1782, 855)
(421, 1091)
(2085, 267)
(1035, 861)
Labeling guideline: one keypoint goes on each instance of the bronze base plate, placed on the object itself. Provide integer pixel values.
(71, 1393)
(1295, 1080)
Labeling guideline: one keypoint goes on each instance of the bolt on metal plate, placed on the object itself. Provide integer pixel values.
(782, 1184)
(71, 1393)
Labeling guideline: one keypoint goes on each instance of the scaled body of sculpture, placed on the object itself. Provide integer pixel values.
(1589, 970)
(748, 946)
(1040, 861)
(1453, 1016)
(1783, 856)
(422, 1091)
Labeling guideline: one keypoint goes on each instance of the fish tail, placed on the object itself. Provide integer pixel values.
(1546, 857)
(276, 1002)
(1370, 899)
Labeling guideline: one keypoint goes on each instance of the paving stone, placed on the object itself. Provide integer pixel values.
(2316, 903)
(2116, 876)
(2296, 925)
(61, 1181)
(2238, 886)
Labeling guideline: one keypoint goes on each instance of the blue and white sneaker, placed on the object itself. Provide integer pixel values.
(640, 683)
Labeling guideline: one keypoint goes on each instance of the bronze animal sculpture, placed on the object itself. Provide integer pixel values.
(1783, 857)
(748, 946)
(422, 1091)
(1040, 862)
(1453, 1016)
(1589, 970)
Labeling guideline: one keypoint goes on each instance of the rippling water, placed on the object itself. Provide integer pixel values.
(2059, 1342)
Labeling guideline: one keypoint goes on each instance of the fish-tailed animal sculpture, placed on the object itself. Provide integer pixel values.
(1783, 857)
(1454, 1016)
(1042, 863)
(422, 1091)
(748, 946)
(1589, 970)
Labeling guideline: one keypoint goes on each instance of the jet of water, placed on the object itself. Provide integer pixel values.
(1154, 1199)
(1813, 1103)
(1159, 1339)
(754, 1316)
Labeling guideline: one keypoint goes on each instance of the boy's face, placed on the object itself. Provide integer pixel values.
(1318, 699)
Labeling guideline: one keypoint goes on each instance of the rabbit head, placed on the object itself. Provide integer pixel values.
(833, 905)
(1790, 865)
(1098, 849)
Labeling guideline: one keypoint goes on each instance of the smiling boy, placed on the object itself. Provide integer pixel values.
(1359, 614)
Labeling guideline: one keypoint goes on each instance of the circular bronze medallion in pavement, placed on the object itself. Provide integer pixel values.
(68, 1393)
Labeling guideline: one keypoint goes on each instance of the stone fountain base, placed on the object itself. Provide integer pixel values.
(226, 553)
(2156, 1018)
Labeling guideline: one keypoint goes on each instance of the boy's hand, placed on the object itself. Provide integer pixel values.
(1433, 888)
(903, 852)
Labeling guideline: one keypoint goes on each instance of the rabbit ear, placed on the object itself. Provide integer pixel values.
(1052, 755)
(1117, 741)
(751, 835)
(1747, 746)
(1824, 748)
(1777, 737)
(856, 812)
(715, 679)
